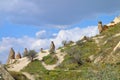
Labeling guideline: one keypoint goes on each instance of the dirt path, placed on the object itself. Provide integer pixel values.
(23, 62)
(60, 56)
(29, 76)
(19, 64)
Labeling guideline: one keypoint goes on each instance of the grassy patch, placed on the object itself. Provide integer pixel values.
(18, 76)
(91, 72)
(34, 67)
(78, 54)
(50, 59)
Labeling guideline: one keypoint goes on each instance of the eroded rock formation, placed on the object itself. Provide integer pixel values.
(18, 56)
(25, 52)
(4, 75)
(52, 47)
(11, 56)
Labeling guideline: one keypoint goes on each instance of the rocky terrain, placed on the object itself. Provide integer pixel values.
(96, 58)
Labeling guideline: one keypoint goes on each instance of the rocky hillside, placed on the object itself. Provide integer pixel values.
(93, 58)
(4, 74)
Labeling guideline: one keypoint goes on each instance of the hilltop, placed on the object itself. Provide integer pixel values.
(93, 58)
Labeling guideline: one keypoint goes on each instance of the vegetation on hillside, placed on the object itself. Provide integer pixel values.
(77, 64)
(95, 72)
(50, 59)
(78, 54)
(18, 75)
(31, 54)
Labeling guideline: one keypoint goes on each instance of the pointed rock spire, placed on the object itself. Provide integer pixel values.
(52, 47)
(18, 56)
(11, 55)
(25, 52)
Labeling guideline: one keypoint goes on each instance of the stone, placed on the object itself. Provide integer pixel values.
(84, 38)
(11, 56)
(41, 50)
(25, 52)
(4, 74)
(52, 47)
(92, 57)
(98, 59)
(18, 56)
(100, 27)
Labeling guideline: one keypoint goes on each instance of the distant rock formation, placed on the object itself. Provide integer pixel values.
(52, 47)
(25, 52)
(11, 56)
(4, 75)
(41, 50)
(102, 28)
(18, 56)
(115, 21)
(85, 38)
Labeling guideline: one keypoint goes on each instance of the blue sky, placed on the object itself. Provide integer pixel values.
(9, 29)
(34, 23)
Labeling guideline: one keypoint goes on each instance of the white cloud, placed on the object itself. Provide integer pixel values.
(41, 34)
(75, 34)
(36, 43)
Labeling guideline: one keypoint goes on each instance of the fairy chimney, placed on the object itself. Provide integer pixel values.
(11, 55)
(18, 56)
(25, 52)
(100, 27)
(52, 47)
(41, 50)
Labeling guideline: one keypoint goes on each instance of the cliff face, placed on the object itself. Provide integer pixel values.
(4, 75)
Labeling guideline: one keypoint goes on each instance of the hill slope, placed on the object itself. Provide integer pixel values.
(94, 58)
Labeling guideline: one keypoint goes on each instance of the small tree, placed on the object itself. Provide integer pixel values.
(64, 42)
(32, 54)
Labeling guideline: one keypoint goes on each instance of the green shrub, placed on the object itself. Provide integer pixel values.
(50, 59)
(34, 67)
(31, 54)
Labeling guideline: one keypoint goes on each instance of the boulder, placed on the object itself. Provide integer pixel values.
(11, 56)
(52, 47)
(98, 59)
(92, 57)
(18, 56)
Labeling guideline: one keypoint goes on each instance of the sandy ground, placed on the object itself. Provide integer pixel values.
(29, 76)
(21, 63)
(60, 56)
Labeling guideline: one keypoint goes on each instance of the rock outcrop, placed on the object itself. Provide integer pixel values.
(25, 52)
(11, 56)
(41, 50)
(52, 47)
(4, 75)
(102, 28)
(18, 56)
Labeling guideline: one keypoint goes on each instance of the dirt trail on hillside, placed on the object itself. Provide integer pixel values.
(19, 64)
(60, 56)
(29, 76)
(23, 62)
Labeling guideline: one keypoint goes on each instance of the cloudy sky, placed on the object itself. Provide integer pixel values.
(33, 24)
